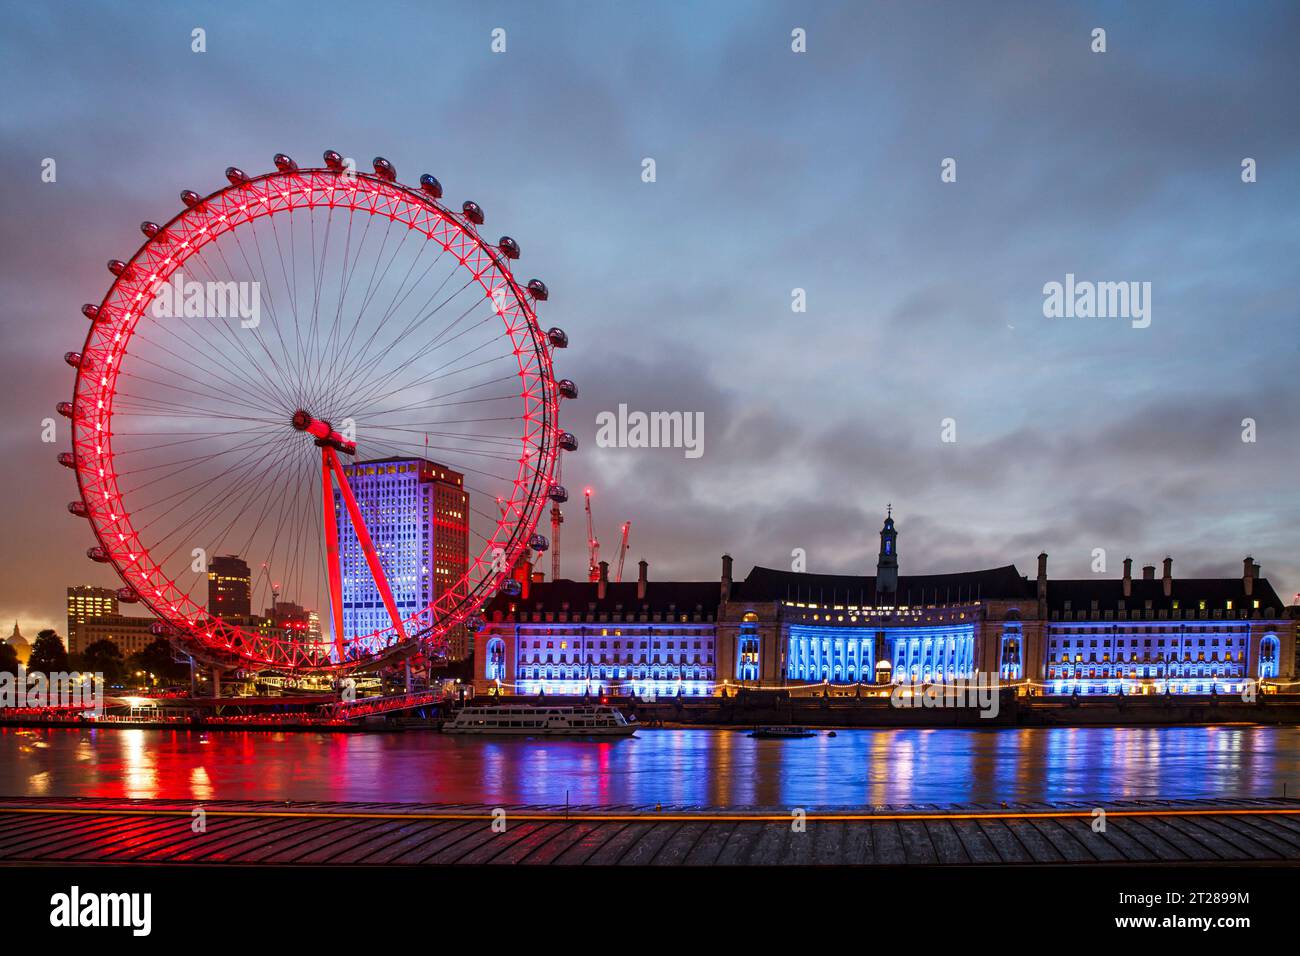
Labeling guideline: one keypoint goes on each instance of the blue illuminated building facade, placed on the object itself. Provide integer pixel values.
(577, 638)
(1186, 657)
(1161, 635)
(853, 635)
(919, 653)
(417, 514)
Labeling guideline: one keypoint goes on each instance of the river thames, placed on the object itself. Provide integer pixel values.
(667, 766)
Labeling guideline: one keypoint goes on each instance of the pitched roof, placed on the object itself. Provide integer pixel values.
(770, 584)
(677, 597)
(1188, 592)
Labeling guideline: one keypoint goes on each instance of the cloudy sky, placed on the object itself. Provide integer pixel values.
(775, 171)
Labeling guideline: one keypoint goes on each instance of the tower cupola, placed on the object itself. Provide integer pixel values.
(887, 560)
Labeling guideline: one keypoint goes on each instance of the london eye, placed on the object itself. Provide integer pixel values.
(263, 351)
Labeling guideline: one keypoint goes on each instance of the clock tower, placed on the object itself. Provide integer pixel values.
(887, 561)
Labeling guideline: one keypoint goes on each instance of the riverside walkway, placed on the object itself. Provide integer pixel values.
(162, 832)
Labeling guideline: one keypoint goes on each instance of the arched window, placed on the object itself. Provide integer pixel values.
(748, 648)
(496, 660)
(1268, 657)
(1011, 663)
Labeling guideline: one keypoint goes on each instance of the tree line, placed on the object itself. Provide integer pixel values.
(155, 665)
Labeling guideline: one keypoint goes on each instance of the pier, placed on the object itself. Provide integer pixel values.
(169, 832)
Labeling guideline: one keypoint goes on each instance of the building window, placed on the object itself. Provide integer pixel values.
(496, 660)
(747, 650)
(1268, 662)
(1011, 663)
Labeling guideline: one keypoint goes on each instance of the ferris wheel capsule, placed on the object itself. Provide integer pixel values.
(90, 311)
(67, 459)
(538, 289)
(284, 164)
(333, 160)
(236, 175)
(160, 629)
(150, 229)
(538, 542)
(475, 624)
(558, 493)
(431, 185)
(73, 359)
(568, 441)
(384, 170)
(509, 248)
(559, 339)
(118, 267)
(128, 596)
(190, 198)
(64, 409)
(78, 508)
(567, 388)
(98, 554)
(473, 212)
(511, 587)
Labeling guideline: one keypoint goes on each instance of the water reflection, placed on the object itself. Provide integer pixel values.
(693, 767)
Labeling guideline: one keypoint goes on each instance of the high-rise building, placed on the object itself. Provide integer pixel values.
(94, 615)
(230, 588)
(87, 603)
(417, 514)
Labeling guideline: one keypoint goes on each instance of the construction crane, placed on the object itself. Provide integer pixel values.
(593, 545)
(622, 551)
(275, 585)
(557, 519)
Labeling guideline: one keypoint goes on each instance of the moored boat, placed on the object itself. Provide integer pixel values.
(780, 733)
(536, 721)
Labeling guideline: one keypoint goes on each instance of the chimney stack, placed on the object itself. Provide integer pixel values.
(726, 577)
(1148, 572)
(1249, 571)
(603, 581)
(1042, 577)
(642, 567)
(1167, 578)
(1128, 577)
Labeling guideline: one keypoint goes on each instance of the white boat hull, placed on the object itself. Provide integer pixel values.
(624, 731)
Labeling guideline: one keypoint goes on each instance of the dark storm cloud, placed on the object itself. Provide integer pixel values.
(775, 171)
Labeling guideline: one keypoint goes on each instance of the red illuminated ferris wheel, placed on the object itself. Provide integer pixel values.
(267, 346)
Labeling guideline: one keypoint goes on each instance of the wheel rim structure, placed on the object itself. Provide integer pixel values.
(195, 430)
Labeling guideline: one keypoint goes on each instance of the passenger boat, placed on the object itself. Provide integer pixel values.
(529, 721)
(780, 733)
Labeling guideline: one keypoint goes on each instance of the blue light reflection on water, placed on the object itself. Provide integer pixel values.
(691, 767)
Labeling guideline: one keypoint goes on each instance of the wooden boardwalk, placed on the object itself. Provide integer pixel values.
(74, 831)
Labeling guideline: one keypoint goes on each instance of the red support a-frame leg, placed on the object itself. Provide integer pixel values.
(331, 459)
(332, 551)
